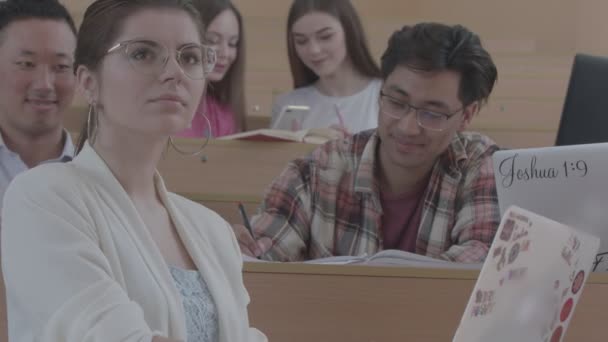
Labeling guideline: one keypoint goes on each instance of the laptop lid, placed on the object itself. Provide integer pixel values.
(568, 184)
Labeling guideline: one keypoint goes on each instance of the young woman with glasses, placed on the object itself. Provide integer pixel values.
(97, 249)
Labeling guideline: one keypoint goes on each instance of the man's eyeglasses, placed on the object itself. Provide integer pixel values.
(428, 119)
(149, 57)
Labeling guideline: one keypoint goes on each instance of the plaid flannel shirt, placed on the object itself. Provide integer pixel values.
(328, 203)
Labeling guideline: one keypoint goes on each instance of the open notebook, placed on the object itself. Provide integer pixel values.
(530, 282)
(310, 136)
(389, 257)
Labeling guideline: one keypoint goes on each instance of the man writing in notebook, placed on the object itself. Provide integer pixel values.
(417, 183)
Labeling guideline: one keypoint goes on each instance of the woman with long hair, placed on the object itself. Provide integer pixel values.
(222, 110)
(333, 71)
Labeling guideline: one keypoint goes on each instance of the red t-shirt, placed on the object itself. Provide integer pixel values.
(401, 219)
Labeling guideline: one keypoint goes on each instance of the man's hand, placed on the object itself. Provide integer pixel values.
(248, 245)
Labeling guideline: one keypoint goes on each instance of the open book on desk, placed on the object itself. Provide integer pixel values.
(310, 136)
(389, 257)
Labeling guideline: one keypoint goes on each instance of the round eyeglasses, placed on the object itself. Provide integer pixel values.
(427, 119)
(150, 57)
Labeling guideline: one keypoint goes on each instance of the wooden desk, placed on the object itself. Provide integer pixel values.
(228, 171)
(300, 302)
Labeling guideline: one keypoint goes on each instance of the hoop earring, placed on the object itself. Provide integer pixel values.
(92, 126)
(197, 152)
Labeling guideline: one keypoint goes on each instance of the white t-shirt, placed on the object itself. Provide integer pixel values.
(359, 111)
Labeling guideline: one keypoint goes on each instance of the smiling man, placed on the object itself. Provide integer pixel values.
(417, 183)
(37, 42)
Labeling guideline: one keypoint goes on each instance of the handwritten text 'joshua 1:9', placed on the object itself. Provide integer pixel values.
(511, 171)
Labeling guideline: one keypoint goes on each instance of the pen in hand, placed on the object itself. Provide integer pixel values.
(246, 221)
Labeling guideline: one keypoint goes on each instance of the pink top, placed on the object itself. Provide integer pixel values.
(221, 118)
(400, 220)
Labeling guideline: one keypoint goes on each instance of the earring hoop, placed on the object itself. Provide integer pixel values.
(92, 124)
(197, 152)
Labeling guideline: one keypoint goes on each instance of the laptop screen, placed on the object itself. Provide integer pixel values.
(585, 115)
(567, 184)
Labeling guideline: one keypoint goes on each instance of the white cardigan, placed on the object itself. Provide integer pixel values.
(80, 265)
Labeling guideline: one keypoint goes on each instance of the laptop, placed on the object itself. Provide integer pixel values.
(585, 113)
(568, 184)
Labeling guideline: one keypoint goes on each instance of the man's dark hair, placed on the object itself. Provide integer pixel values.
(437, 47)
(15, 10)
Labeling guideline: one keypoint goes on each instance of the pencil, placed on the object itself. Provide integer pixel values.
(246, 221)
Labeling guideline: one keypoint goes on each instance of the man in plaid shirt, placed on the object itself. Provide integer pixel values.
(418, 182)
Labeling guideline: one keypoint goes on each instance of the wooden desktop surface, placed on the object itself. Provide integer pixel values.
(302, 302)
(227, 172)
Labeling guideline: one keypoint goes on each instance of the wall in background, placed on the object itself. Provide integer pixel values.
(532, 42)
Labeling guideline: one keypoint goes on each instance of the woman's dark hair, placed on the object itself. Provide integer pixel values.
(354, 36)
(15, 10)
(437, 47)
